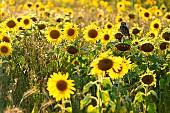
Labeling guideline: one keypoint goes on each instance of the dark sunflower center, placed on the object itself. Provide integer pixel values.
(105, 64)
(131, 16)
(147, 79)
(47, 14)
(29, 5)
(41, 26)
(152, 35)
(168, 16)
(163, 45)
(147, 47)
(156, 25)
(106, 37)
(120, 6)
(109, 26)
(92, 33)
(33, 19)
(120, 20)
(54, 34)
(123, 47)
(4, 49)
(6, 39)
(166, 36)
(118, 36)
(37, 6)
(72, 50)
(146, 14)
(26, 21)
(61, 85)
(135, 31)
(11, 24)
(19, 19)
(71, 32)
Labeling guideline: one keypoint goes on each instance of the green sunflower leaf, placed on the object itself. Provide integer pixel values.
(139, 97)
(107, 83)
(87, 86)
(68, 109)
(85, 101)
(105, 97)
(151, 107)
(153, 93)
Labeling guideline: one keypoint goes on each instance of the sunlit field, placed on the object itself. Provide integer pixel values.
(85, 56)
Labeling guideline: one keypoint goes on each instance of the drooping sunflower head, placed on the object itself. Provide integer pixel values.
(165, 35)
(5, 49)
(54, 35)
(164, 45)
(148, 78)
(59, 87)
(5, 38)
(70, 31)
(11, 24)
(156, 25)
(147, 47)
(92, 33)
(71, 49)
(131, 16)
(122, 47)
(26, 22)
(118, 36)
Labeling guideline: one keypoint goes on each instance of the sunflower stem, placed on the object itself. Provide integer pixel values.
(99, 94)
(63, 106)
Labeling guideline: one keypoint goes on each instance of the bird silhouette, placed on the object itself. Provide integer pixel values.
(124, 29)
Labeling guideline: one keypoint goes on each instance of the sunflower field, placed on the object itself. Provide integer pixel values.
(85, 56)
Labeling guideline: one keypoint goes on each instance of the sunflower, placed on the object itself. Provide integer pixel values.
(5, 49)
(5, 38)
(164, 45)
(119, 19)
(26, 22)
(122, 47)
(120, 6)
(92, 33)
(108, 26)
(152, 34)
(71, 49)
(148, 78)
(106, 36)
(70, 31)
(118, 36)
(158, 13)
(11, 24)
(3, 14)
(165, 34)
(54, 35)
(136, 31)
(38, 5)
(28, 5)
(104, 63)
(166, 17)
(163, 8)
(59, 87)
(147, 47)
(131, 16)
(155, 25)
(146, 15)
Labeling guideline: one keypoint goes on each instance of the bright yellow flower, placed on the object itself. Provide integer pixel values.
(5, 49)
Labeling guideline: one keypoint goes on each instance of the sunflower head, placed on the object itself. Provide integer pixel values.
(123, 47)
(5, 49)
(164, 45)
(26, 22)
(155, 25)
(108, 26)
(146, 14)
(166, 17)
(59, 87)
(106, 36)
(11, 24)
(5, 38)
(71, 49)
(118, 36)
(148, 78)
(147, 47)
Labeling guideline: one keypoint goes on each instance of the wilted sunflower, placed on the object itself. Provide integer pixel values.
(109, 26)
(92, 33)
(146, 15)
(118, 36)
(26, 22)
(70, 31)
(104, 63)
(11, 24)
(131, 16)
(148, 78)
(71, 49)
(165, 34)
(106, 36)
(155, 25)
(5, 49)
(5, 38)
(59, 87)
(147, 47)
(166, 17)
(54, 35)
(122, 47)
